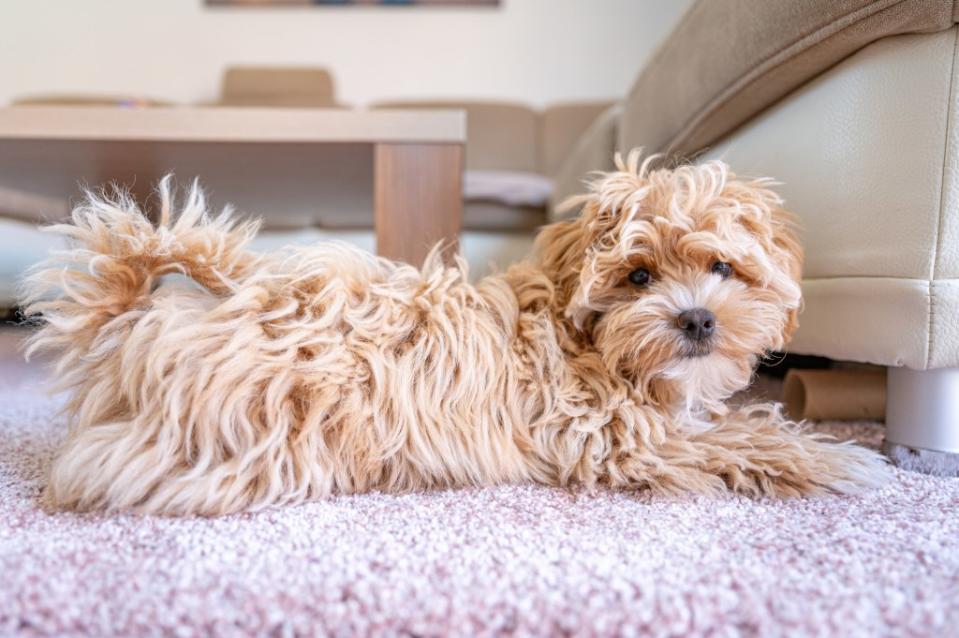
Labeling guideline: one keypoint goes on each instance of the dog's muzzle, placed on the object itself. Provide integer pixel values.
(698, 326)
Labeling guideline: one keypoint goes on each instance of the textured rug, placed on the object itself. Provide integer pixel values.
(514, 560)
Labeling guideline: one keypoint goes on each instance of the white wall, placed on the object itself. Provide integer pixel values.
(537, 51)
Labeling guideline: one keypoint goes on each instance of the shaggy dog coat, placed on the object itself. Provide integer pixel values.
(322, 370)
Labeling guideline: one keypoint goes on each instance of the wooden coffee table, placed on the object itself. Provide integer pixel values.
(404, 166)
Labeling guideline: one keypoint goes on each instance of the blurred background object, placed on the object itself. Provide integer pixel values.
(305, 87)
(80, 99)
(322, 3)
(534, 52)
(838, 394)
(528, 99)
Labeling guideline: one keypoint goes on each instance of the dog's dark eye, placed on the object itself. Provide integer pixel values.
(722, 269)
(639, 277)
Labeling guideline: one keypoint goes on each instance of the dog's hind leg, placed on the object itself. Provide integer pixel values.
(201, 410)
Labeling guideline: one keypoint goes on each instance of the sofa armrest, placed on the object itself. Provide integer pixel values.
(561, 126)
(593, 151)
(730, 59)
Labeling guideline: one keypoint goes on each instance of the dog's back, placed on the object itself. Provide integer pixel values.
(281, 377)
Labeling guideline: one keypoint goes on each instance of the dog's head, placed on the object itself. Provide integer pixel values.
(680, 279)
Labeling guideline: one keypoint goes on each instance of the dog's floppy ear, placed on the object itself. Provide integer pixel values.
(561, 248)
(578, 255)
(567, 256)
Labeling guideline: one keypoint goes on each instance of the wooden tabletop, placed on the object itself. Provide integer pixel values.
(231, 124)
(297, 168)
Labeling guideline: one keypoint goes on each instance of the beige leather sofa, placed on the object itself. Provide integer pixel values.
(852, 105)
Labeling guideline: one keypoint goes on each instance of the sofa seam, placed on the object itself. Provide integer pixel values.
(937, 245)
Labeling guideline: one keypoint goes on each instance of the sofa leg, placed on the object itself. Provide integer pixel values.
(922, 420)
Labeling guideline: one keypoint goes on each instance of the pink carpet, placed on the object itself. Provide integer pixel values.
(513, 560)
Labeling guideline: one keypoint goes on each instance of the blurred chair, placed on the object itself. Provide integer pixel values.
(294, 87)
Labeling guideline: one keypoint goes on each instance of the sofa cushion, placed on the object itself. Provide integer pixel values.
(512, 188)
(21, 246)
(497, 217)
(729, 59)
(30, 207)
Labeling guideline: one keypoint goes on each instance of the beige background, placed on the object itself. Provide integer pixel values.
(537, 51)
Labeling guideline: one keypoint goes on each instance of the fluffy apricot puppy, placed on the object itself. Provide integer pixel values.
(606, 358)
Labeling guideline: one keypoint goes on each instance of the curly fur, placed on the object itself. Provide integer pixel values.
(284, 377)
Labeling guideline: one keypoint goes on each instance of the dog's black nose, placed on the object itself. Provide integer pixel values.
(697, 323)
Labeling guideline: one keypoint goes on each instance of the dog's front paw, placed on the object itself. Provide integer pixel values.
(767, 458)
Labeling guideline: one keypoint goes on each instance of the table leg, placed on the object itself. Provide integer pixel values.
(417, 198)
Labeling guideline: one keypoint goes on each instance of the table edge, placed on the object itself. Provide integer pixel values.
(232, 124)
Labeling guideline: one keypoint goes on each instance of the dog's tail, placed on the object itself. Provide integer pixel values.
(116, 255)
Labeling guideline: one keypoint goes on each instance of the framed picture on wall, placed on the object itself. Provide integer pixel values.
(329, 3)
